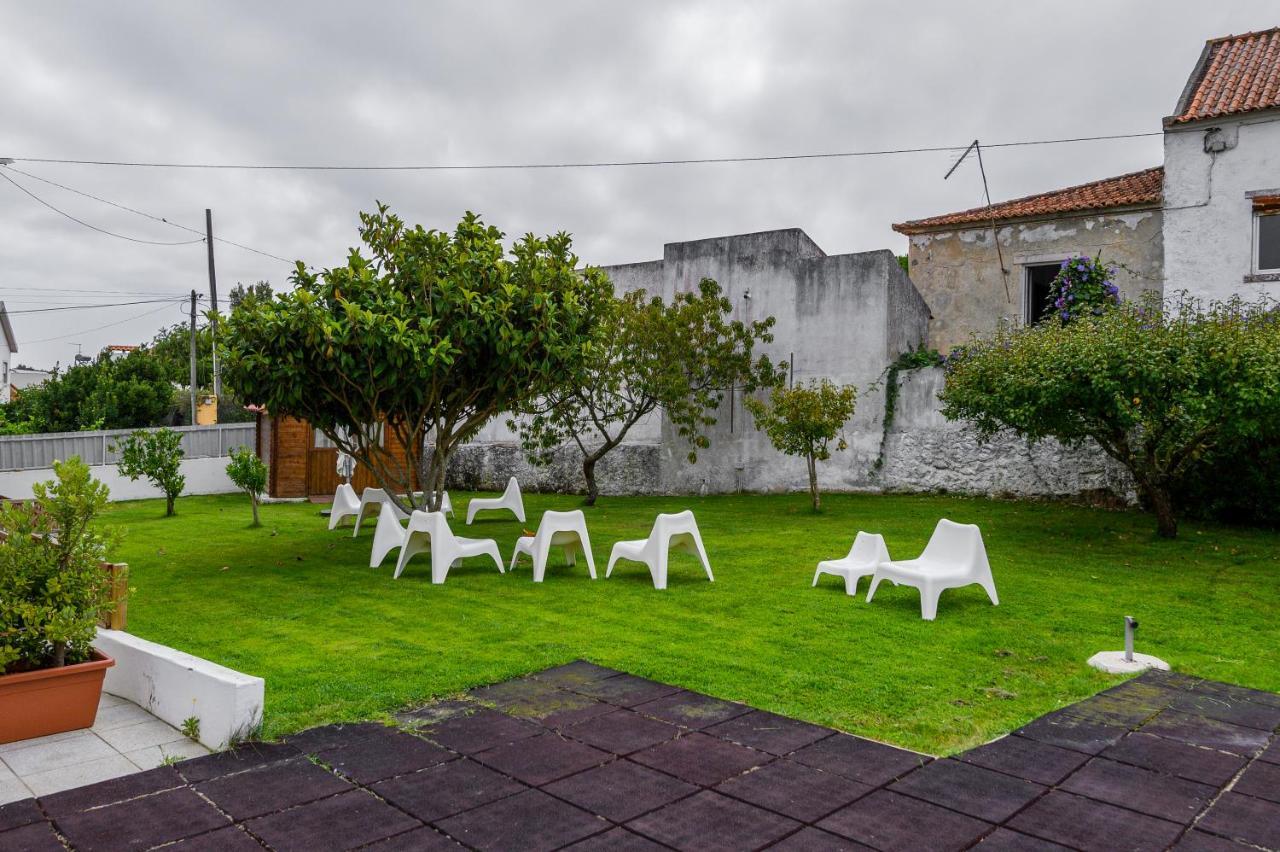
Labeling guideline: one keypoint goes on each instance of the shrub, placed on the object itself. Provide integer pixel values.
(1086, 287)
(52, 587)
(804, 420)
(156, 455)
(249, 474)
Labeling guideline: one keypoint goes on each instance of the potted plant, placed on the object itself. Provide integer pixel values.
(52, 593)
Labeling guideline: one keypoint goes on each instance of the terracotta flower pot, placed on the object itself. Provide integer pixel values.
(50, 701)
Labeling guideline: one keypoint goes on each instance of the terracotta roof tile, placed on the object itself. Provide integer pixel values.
(1235, 74)
(1132, 190)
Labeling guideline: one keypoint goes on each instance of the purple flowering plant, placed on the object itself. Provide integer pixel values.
(1085, 287)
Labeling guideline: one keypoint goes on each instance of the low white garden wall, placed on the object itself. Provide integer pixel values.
(204, 476)
(175, 686)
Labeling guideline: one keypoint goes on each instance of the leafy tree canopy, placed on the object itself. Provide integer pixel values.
(806, 420)
(157, 457)
(107, 393)
(433, 333)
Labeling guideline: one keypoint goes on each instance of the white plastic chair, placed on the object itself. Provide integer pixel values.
(388, 535)
(954, 557)
(556, 529)
(372, 498)
(345, 505)
(510, 499)
(864, 557)
(430, 531)
(678, 532)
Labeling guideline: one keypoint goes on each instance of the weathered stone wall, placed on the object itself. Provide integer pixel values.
(958, 271)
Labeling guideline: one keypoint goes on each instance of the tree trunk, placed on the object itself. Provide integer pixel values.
(253, 501)
(1162, 505)
(589, 473)
(59, 654)
(813, 484)
(168, 505)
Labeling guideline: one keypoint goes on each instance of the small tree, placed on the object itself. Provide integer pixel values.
(1156, 386)
(157, 456)
(680, 358)
(804, 421)
(248, 473)
(433, 334)
(52, 587)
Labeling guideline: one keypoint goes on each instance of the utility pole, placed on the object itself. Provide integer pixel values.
(213, 303)
(193, 358)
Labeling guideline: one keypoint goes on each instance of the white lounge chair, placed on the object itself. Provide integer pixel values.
(388, 535)
(864, 557)
(430, 531)
(345, 505)
(678, 532)
(372, 498)
(510, 499)
(556, 529)
(954, 557)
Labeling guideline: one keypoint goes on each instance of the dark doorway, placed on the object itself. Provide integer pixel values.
(1040, 291)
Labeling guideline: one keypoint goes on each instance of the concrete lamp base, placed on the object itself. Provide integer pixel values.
(1113, 662)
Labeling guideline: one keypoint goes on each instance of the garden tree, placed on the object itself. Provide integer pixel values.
(648, 355)
(156, 455)
(172, 346)
(52, 587)
(432, 334)
(259, 290)
(803, 421)
(248, 473)
(107, 393)
(1156, 385)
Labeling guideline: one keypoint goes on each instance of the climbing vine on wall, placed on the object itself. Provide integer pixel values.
(912, 359)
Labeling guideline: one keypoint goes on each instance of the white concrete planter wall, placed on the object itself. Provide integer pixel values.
(204, 476)
(175, 686)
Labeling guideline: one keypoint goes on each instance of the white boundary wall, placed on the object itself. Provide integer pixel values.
(204, 476)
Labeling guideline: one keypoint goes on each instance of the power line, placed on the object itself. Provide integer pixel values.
(92, 291)
(150, 216)
(86, 307)
(95, 227)
(576, 165)
(100, 327)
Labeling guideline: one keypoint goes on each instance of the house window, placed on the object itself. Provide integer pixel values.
(1040, 292)
(1266, 237)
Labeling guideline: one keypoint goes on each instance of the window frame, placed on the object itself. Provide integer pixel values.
(1027, 266)
(1255, 253)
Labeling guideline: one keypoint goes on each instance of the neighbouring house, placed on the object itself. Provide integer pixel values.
(8, 346)
(21, 378)
(1207, 221)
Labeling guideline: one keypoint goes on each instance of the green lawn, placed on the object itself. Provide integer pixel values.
(335, 640)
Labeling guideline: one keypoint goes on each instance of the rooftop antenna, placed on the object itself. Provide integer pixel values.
(80, 358)
(975, 147)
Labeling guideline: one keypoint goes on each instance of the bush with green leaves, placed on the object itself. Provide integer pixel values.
(679, 358)
(107, 393)
(248, 473)
(1157, 386)
(157, 456)
(430, 332)
(1084, 286)
(806, 420)
(52, 587)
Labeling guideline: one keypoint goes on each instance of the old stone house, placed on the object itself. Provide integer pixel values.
(1207, 221)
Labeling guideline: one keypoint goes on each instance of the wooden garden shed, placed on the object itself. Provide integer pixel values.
(301, 462)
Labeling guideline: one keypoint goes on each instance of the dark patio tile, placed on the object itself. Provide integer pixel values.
(700, 759)
(108, 792)
(1004, 840)
(709, 821)
(617, 840)
(583, 709)
(1066, 731)
(1163, 796)
(895, 823)
(1171, 757)
(523, 696)
(1209, 733)
(810, 839)
(480, 730)
(1239, 693)
(141, 823)
(32, 837)
(626, 690)
(229, 839)
(1261, 780)
(622, 732)
(1272, 754)
(969, 789)
(332, 736)
(1225, 708)
(384, 756)
(531, 821)
(1169, 680)
(542, 759)
(18, 813)
(1115, 709)
(1199, 841)
(769, 732)
(1024, 758)
(1149, 693)
(435, 713)
(273, 787)
(794, 790)
(238, 759)
(1093, 826)
(447, 789)
(621, 790)
(575, 673)
(339, 822)
(417, 840)
(692, 709)
(862, 760)
(1245, 818)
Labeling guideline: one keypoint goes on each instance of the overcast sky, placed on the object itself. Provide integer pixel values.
(476, 82)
